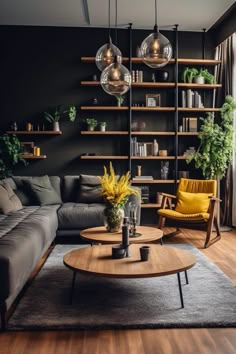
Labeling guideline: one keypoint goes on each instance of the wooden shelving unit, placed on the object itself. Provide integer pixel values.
(33, 157)
(34, 132)
(143, 133)
(159, 85)
(104, 108)
(108, 132)
(105, 157)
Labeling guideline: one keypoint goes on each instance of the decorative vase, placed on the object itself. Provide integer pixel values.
(91, 128)
(113, 218)
(56, 126)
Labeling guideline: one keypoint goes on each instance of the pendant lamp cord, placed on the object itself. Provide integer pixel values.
(109, 19)
(116, 23)
(155, 27)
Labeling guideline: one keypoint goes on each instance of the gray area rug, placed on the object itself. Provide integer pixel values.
(103, 303)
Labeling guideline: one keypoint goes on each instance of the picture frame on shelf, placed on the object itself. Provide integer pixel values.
(153, 100)
(28, 147)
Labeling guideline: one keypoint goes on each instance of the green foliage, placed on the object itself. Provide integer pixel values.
(215, 151)
(11, 154)
(91, 122)
(190, 73)
(56, 113)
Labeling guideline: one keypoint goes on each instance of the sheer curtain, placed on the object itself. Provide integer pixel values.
(234, 155)
(226, 74)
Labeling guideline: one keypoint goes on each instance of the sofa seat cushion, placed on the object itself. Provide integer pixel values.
(25, 237)
(80, 215)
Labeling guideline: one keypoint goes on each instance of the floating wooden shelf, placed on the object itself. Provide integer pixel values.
(33, 157)
(104, 108)
(108, 132)
(183, 61)
(34, 132)
(152, 133)
(153, 181)
(184, 109)
(159, 84)
(203, 86)
(187, 133)
(99, 157)
(151, 109)
(152, 157)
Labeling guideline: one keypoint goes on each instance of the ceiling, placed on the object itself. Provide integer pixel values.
(191, 15)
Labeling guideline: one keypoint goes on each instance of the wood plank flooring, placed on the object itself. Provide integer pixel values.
(162, 341)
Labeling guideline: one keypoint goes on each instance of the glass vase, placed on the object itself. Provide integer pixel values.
(113, 218)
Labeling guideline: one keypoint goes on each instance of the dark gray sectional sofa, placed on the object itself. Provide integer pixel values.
(72, 203)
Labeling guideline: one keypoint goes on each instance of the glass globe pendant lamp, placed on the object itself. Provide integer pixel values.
(115, 79)
(156, 50)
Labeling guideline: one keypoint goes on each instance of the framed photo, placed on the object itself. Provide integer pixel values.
(28, 147)
(153, 100)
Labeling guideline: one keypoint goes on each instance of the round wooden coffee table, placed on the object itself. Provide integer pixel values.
(162, 261)
(100, 235)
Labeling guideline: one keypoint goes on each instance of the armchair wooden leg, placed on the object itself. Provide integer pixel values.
(162, 221)
(210, 241)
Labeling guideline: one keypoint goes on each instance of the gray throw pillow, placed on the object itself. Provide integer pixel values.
(23, 191)
(43, 190)
(8, 199)
(89, 190)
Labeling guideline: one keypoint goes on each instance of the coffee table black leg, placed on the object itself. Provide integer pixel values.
(180, 291)
(186, 276)
(72, 287)
(161, 241)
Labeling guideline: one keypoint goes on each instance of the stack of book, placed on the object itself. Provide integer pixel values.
(141, 178)
(191, 99)
(190, 124)
(140, 148)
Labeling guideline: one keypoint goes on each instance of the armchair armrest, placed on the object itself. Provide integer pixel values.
(168, 195)
(167, 200)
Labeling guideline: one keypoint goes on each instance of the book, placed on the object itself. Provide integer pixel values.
(192, 124)
(142, 177)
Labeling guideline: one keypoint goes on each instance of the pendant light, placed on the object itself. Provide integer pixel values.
(106, 54)
(156, 49)
(116, 79)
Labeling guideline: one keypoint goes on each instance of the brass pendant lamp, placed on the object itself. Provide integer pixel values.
(156, 49)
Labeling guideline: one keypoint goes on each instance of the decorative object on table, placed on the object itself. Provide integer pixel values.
(162, 75)
(132, 210)
(164, 169)
(153, 100)
(163, 152)
(144, 253)
(120, 100)
(102, 126)
(91, 123)
(115, 192)
(27, 147)
(118, 251)
(10, 154)
(58, 112)
(155, 148)
(125, 236)
(156, 50)
(37, 151)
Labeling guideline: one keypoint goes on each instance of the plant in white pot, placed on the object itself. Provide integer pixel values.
(58, 112)
(102, 126)
(91, 123)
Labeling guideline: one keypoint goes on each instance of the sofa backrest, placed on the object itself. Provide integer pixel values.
(81, 189)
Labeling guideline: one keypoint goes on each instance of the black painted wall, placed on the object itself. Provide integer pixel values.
(41, 68)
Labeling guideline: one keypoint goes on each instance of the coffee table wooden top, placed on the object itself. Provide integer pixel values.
(97, 260)
(100, 235)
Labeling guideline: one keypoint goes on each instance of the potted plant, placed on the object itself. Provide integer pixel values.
(215, 150)
(209, 78)
(10, 154)
(120, 100)
(102, 126)
(189, 74)
(201, 76)
(55, 115)
(91, 123)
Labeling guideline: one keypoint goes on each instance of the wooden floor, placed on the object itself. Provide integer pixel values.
(170, 341)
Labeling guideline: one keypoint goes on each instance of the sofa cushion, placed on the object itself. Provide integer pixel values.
(89, 190)
(8, 199)
(70, 187)
(43, 190)
(80, 215)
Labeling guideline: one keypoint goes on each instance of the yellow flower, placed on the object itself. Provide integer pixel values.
(115, 190)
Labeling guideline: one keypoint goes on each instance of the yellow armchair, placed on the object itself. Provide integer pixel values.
(195, 203)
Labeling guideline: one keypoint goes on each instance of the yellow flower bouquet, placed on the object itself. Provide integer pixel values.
(115, 192)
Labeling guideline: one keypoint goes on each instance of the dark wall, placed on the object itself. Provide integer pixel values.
(41, 68)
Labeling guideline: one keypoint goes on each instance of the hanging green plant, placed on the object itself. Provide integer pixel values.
(10, 154)
(215, 151)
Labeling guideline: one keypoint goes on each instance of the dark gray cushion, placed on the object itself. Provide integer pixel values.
(23, 192)
(70, 187)
(8, 199)
(80, 215)
(89, 190)
(43, 190)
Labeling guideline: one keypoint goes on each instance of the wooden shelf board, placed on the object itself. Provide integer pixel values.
(153, 109)
(35, 132)
(99, 157)
(153, 181)
(109, 132)
(152, 133)
(150, 205)
(33, 157)
(187, 133)
(152, 157)
(204, 86)
(184, 109)
(172, 61)
(182, 157)
(153, 84)
(104, 108)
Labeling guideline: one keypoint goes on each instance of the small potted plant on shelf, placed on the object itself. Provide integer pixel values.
(91, 123)
(56, 114)
(120, 100)
(102, 126)
(201, 76)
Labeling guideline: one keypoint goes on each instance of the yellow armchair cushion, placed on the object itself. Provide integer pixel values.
(175, 215)
(193, 203)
